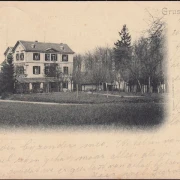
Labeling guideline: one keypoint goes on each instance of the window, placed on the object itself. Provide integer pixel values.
(17, 57)
(47, 57)
(36, 56)
(36, 69)
(53, 57)
(65, 70)
(64, 57)
(22, 56)
(65, 85)
(61, 47)
(33, 45)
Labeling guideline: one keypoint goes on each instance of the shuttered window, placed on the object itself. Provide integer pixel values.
(47, 57)
(64, 57)
(36, 69)
(36, 56)
(22, 56)
(53, 57)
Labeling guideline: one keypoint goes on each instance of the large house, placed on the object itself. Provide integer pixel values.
(42, 66)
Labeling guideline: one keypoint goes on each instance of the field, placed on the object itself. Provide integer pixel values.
(140, 112)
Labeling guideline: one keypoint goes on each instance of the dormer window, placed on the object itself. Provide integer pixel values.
(33, 46)
(61, 47)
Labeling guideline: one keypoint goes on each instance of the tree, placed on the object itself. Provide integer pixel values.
(77, 75)
(122, 53)
(137, 70)
(7, 79)
(51, 70)
(151, 53)
(102, 65)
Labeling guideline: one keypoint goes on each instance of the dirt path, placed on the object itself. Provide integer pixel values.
(116, 95)
(45, 103)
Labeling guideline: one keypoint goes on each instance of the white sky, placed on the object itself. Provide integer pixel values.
(82, 25)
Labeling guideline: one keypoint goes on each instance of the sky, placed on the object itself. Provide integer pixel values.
(81, 25)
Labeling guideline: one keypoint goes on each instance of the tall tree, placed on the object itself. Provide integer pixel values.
(152, 55)
(7, 79)
(122, 53)
(77, 74)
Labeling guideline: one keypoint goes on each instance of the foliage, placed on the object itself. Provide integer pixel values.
(51, 70)
(150, 52)
(122, 50)
(7, 78)
(94, 67)
(143, 61)
(77, 75)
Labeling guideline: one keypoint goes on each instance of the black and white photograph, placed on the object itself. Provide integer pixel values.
(86, 90)
(81, 74)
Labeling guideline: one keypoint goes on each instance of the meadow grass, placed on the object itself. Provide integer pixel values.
(116, 114)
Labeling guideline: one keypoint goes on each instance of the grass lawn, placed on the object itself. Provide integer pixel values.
(127, 115)
(70, 97)
(127, 112)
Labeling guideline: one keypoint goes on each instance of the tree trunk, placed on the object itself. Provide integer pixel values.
(119, 86)
(77, 88)
(107, 89)
(140, 85)
(149, 84)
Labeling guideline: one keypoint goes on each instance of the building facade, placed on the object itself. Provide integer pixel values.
(42, 67)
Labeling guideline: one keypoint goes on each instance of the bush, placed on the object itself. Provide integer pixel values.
(5, 95)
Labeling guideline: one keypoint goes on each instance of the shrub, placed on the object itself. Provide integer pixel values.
(5, 95)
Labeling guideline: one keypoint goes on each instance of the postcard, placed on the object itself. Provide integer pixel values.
(89, 90)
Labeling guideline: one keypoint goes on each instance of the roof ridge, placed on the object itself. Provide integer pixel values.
(42, 42)
(43, 46)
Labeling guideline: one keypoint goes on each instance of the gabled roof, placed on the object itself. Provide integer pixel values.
(44, 47)
(8, 48)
